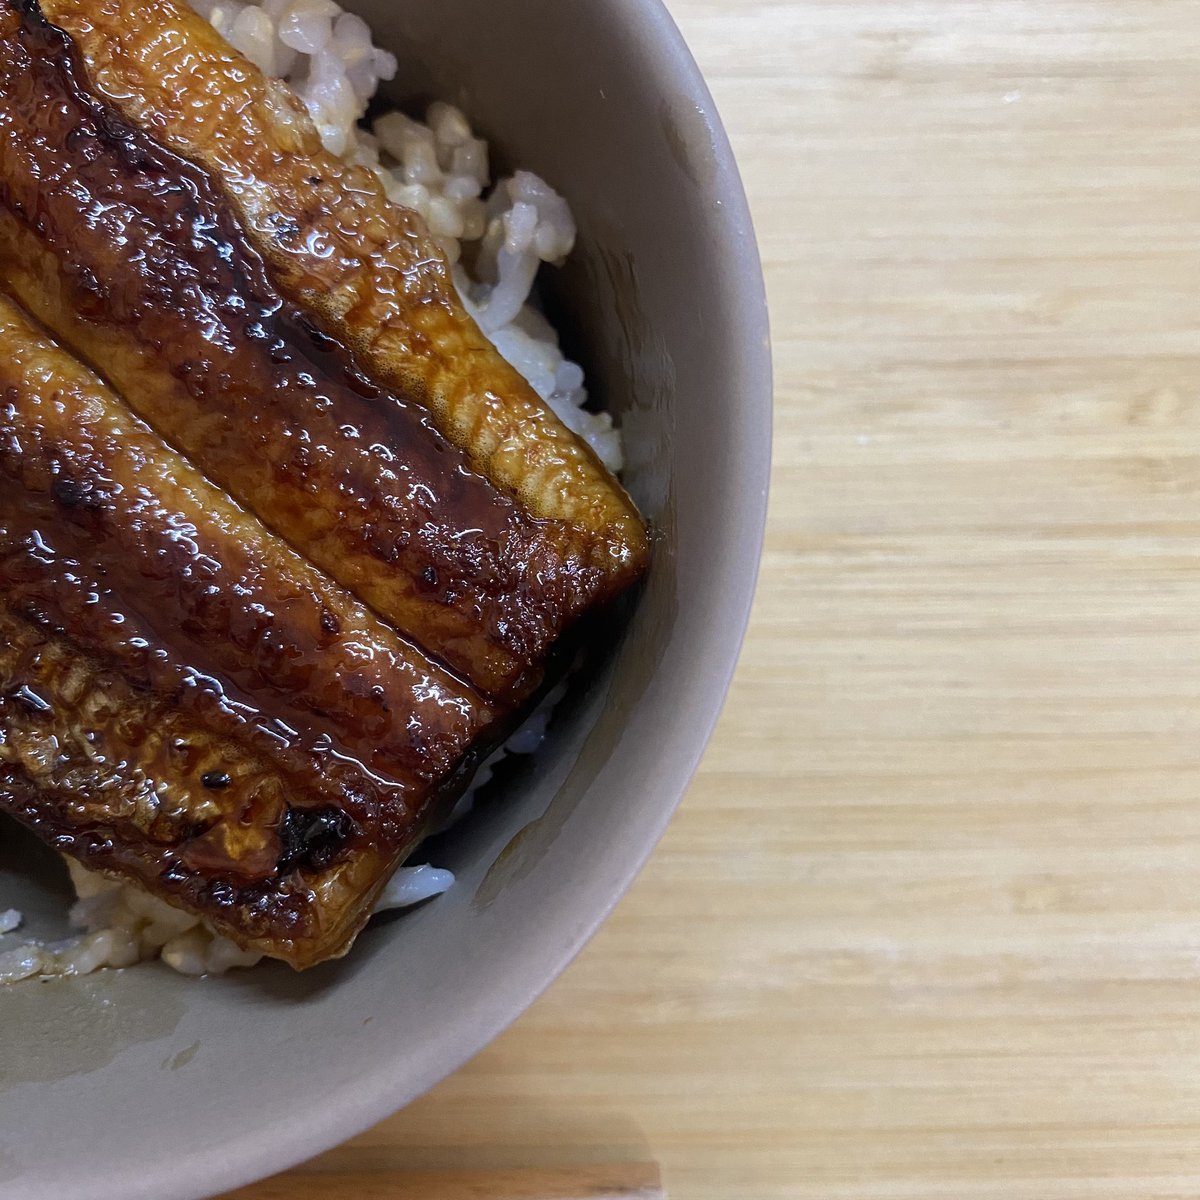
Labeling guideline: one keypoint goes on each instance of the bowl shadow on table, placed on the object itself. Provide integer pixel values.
(594, 1156)
(615, 1181)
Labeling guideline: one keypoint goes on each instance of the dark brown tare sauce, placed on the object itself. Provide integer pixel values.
(68, 612)
(178, 597)
(277, 413)
(99, 588)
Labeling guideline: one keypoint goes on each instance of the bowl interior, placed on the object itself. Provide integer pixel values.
(172, 1088)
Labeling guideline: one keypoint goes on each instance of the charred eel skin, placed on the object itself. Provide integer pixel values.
(267, 594)
(422, 473)
(210, 692)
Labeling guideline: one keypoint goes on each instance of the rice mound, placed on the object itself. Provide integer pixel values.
(439, 168)
(123, 925)
(505, 233)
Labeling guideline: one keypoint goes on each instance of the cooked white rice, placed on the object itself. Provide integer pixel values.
(121, 924)
(441, 169)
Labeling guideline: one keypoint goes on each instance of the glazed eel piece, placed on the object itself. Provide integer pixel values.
(169, 213)
(186, 701)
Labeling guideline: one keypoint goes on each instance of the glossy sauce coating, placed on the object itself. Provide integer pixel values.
(215, 672)
(104, 786)
(158, 286)
(369, 268)
(80, 477)
(208, 584)
(266, 700)
(157, 780)
(187, 698)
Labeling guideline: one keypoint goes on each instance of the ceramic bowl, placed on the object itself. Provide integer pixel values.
(144, 1084)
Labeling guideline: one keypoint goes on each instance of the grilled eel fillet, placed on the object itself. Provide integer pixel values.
(261, 610)
(184, 699)
(426, 476)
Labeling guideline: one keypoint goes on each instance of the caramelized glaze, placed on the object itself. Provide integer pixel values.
(84, 486)
(158, 633)
(370, 269)
(252, 637)
(158, 286)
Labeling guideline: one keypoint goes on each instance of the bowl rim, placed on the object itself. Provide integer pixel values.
(351, 1107)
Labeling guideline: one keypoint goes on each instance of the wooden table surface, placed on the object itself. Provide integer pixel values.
(928, 924)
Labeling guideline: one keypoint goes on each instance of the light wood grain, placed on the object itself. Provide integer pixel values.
(637, 1181)
(928, 925)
